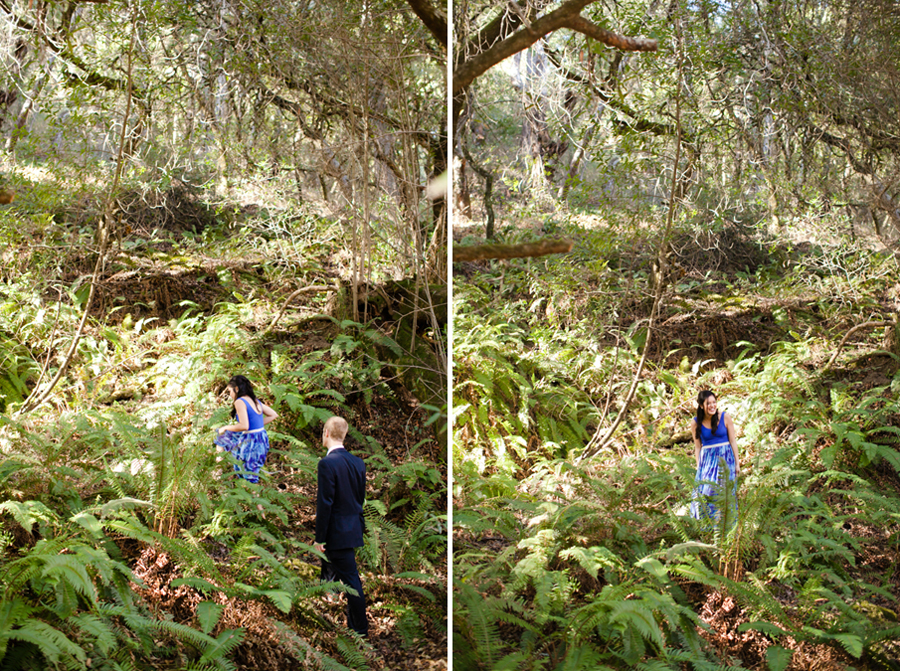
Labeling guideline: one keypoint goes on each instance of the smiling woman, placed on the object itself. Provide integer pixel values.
(715, 449)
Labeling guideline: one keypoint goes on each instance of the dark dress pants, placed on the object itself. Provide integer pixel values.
(341, 566)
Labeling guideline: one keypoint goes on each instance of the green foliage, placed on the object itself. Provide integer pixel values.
(515, 388)
(87, 482)
(561, 563)
(214, 227)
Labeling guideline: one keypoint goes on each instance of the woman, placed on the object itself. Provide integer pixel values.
(714, 445)
(247, 440)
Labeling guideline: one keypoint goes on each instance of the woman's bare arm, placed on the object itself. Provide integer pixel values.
(733, 442)
(242, 422)
(698, 446)
(269, 415)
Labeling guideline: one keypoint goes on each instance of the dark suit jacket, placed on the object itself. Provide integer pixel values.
(339, 502)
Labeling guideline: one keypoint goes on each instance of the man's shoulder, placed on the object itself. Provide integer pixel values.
(341, 456)
(349, 456)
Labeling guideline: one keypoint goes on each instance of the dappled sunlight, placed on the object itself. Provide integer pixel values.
(558, 555)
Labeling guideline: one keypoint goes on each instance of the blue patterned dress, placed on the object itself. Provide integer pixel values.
(250, 446)
(708, 498)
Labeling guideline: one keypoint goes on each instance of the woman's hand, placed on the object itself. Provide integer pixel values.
(222, 430)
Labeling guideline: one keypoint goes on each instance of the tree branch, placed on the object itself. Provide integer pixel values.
(847, 337)
(505, 22)
(488, 178)
(303, 290)
(621, 42)
(330, 105)
(38, 396)
(473, 67)
(482, 252)
(434, 20)
(844, 145)
(596, 443)
(566, 15)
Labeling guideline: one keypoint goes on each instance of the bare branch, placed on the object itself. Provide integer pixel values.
(856, 328)
(566, 15)
(621, 42)
(434, 20)
(481, 252)
(598, 443)
(303, 290)
(477, 65)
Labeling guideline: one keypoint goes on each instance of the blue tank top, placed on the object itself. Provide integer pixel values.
(254, 418)
(707, 437)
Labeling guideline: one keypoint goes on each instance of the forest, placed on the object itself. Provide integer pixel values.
(652, 199)
(194, 190)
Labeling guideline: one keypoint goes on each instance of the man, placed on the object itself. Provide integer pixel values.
(339, 518)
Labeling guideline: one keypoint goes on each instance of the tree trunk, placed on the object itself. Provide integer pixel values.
(578, 156)
(18, 129)
(462, 200)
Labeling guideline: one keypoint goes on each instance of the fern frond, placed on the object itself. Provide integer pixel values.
(70, 569)
(186, 634)
(223, 645)
(305, 652)
(352, 654)
(27, 513)
(52, 643)
(97, 629)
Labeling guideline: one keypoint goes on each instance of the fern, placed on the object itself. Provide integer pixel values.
(96, 629)
(52, 643)
(304, 652)
(351, 653)
(223, 645)
(476, 621)
(28, 513)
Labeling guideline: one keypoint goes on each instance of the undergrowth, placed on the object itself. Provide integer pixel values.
(569, 563)
(126, 542)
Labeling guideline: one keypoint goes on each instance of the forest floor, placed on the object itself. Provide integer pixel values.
(176, 265)
(758, 319)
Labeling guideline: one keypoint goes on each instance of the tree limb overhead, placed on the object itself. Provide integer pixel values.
(434, 20)
(482, 252)
(566, 15)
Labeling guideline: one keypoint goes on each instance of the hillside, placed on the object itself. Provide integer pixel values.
(724, 175)
(127, 542)
(574, 552)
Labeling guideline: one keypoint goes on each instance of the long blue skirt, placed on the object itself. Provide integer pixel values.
(715, 491)
(250, 448)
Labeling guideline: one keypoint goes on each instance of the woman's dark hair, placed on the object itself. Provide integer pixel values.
(701, 413)
(242, 387)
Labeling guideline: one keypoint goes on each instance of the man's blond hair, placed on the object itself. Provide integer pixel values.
(336, 427)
